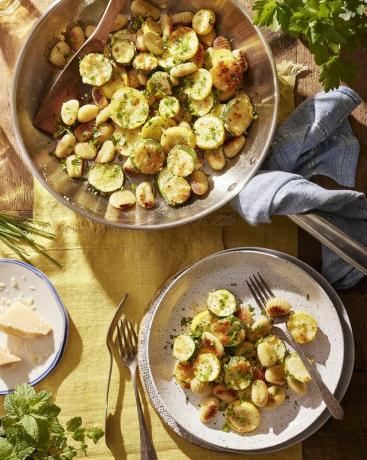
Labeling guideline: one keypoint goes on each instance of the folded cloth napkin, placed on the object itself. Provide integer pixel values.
(315, 139)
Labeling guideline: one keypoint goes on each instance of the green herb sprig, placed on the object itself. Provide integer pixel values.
(329, 28)
(16, 232)
(31, 430)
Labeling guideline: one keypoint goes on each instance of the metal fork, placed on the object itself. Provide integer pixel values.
(261, 293)
(128, 345)
(110, 346)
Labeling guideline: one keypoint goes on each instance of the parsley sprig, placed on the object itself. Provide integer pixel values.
(329, 27)
(31, 429)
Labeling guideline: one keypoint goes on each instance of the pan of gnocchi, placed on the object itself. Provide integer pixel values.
(178, 113)
(230, 380)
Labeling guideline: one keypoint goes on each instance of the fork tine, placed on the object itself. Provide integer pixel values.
(262, 290)
(125, 333)
(255, 296)
(257, 290)
(132, 335)
(135, 335)
(120, 342)
(265, 285)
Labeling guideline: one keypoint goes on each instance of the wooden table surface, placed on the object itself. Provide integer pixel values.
(336, 440)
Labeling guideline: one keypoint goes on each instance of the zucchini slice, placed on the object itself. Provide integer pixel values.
(209, 131)
(177, 135)
(159, 84)
(123, 139)
(106, 177)
(302, 326)
(169, 107)
(183, 347)
(277, 344)
(129, 108)
(211, 344)
(147, 156)
(238, 374)
(181, 160)
(163, 177)
(206, 367)
(238, 114)
(123, 51)
(95, 69)
(221, 303)
(295, 369)
(203, 107)
(242, 417)
(198, 85)
(201, 322)
(183, 43)
(175, 190)
(154, 128)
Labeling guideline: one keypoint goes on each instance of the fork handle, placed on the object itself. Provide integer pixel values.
(331, 402)
(147, 450)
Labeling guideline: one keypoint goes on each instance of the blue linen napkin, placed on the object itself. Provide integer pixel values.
(316, 139)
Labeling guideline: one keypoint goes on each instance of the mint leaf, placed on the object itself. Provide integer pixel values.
(52, 410)
(23, 451)
(74, 423)
(30, 426)
(79, 435)
(41, 401)
(69, 453)
(7, 451)
(24, 391)
(10, 407)
(95, 434)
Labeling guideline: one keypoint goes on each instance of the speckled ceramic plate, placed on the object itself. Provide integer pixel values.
(40, 355)
(184, 295)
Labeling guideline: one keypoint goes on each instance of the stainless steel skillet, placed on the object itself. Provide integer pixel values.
(34, 74)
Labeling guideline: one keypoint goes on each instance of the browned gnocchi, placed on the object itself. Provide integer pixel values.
(163, 98)
(231, 361)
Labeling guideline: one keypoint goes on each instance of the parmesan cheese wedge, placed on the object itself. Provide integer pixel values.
(7, 358)
(20, 321)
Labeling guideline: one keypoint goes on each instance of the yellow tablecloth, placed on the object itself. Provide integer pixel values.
(99, 265)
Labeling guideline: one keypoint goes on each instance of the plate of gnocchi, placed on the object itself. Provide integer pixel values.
(177, 115)
(231, 380)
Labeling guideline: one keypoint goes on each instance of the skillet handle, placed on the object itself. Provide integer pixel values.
(333, 238)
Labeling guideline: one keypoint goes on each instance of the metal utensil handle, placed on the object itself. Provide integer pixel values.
(147, 450)
(329, 399)
(104, 27)
(335, 239)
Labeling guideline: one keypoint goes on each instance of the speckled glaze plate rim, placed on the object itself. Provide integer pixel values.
(148, 379)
